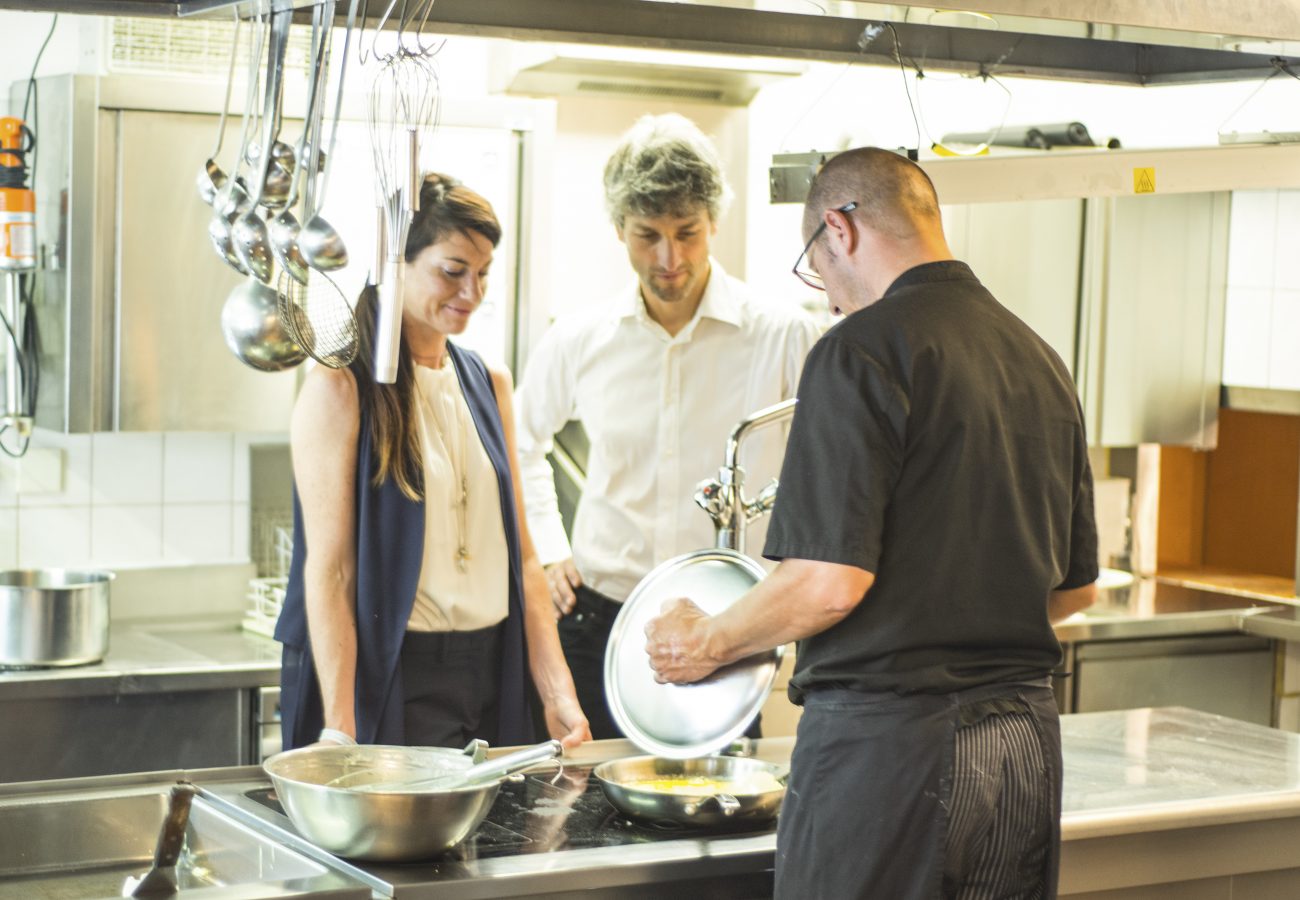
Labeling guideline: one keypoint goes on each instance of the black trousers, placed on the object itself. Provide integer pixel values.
(584, 635)
(451, 682)
(923, 796)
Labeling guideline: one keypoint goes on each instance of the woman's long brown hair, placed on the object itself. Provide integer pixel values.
(446, 206)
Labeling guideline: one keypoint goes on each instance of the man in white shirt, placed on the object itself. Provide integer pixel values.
(658, 375)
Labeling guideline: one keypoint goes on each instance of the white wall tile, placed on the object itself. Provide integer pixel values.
(240, 531)
(1246, 341)
(57, 536)
(197, 532)
(1252, 238)
(78, 458)
(9, 538)
(197, 467)
(1286, 267)
(127, 469)
(125, 535)
(8, 482)
(1284, 338)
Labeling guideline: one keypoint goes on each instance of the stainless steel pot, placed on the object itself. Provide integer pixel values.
(748, 797)
(392, 826)
(53, 617)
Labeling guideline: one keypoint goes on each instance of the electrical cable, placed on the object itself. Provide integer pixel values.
(898, 55)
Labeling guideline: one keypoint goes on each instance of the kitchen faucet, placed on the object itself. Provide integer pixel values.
(723, 497)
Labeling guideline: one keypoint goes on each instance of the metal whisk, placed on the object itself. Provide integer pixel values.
(404, 102)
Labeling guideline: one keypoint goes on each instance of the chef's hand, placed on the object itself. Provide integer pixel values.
(563, 577)
(678, 641)
(566, 723)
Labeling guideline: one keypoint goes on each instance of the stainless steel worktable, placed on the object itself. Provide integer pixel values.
(152, 657)
(1152, 796)
(1201, 804)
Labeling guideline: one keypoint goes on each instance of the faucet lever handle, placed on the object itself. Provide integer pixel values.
(764, 502)
(708, 496)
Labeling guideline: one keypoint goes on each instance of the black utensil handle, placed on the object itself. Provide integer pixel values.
(172, 836)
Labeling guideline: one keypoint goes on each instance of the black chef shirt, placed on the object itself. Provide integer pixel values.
(938, 443)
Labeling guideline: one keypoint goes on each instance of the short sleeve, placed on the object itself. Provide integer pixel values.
(842, 459)
(1083, 567)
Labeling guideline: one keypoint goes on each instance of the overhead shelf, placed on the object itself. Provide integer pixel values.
(1025, 45)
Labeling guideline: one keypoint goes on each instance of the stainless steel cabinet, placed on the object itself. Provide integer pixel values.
(68, 737)
(1151, 340)
(132, 291)
(1227, 674)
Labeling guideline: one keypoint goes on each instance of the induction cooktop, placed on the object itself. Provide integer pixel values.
(543, 813)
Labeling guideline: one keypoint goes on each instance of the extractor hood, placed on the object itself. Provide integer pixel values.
(1114, 41)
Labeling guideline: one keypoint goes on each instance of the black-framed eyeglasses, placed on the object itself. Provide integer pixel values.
(805, 274)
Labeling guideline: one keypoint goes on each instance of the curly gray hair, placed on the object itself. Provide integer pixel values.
(664, 166)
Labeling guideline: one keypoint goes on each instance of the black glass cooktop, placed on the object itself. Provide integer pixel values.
(550, 812)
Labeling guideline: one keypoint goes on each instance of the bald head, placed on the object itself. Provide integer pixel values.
(894, 196)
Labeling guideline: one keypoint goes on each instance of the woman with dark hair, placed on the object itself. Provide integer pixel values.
(416, 608)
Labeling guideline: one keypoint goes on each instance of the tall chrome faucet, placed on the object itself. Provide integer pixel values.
(723, 498)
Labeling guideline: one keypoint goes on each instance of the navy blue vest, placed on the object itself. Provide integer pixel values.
(390, 552)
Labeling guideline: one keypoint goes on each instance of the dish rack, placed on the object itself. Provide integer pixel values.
(266, 592)
(265, 599)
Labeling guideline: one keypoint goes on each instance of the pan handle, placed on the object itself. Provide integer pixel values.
(728, 805)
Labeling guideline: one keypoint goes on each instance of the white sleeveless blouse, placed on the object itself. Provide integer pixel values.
(456, 594)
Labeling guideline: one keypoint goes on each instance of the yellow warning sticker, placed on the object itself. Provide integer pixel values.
(1144, 181)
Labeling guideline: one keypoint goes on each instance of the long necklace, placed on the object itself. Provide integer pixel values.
(460, 503)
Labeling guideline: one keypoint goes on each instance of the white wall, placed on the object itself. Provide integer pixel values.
(589, 262)
(74, 48)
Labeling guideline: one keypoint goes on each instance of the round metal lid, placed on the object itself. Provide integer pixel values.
(682, 721)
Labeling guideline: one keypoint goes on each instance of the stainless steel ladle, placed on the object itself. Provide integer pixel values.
(284, 228)
(248, 232)
(211, 179)
(233, 200)
(318, 241)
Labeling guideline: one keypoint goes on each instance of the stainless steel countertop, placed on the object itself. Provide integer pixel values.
(151, 657)
(201, 653)
(1153, 608)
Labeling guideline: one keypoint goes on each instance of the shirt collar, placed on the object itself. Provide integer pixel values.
(927, 273)
(718, 302)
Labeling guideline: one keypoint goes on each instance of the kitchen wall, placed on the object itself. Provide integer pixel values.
(127, 500)
(139, 499)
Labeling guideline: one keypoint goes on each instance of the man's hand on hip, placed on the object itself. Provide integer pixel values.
(563, 577)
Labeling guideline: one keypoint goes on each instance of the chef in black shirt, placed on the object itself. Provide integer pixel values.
(934, 519)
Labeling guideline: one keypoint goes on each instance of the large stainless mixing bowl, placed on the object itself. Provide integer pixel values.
(53, 617)
(371, 825)
(747, 799)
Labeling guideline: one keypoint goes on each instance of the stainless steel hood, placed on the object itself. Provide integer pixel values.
(1114, 41)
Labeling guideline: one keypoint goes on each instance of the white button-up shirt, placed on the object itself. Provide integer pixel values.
(657, 409)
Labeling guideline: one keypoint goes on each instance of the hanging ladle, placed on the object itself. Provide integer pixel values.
(319, 243)
(285, 227)
(233, 200)
(248, 233)
(211, 179)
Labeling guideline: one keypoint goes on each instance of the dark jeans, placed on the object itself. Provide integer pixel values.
(452, 684)
(923, 796)
(584, 635)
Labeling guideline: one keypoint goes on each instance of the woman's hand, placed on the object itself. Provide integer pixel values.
(566, 723)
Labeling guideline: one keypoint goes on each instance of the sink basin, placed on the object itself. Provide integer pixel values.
(86, 845)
